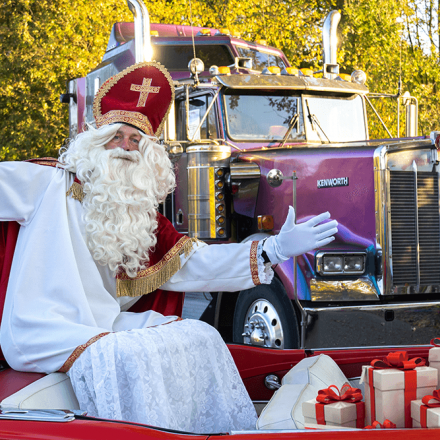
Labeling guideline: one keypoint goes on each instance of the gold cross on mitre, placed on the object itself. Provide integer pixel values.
(145, 89)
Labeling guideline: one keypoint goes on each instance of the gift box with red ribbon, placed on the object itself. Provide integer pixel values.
(392, 383)
(336, 408)
(434, 356)
(426, 412)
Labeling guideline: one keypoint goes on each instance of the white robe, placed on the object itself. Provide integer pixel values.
(59, 298)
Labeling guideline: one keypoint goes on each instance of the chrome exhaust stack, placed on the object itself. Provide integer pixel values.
(330, 42)
(143, 48)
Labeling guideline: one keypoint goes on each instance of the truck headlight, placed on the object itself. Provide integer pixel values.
(331, 263)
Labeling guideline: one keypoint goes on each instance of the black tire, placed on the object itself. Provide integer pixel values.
(274, 294)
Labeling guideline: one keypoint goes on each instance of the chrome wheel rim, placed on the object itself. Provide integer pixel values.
(262, 325)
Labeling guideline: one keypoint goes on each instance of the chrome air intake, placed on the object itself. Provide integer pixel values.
(143, 47)
(330, 45)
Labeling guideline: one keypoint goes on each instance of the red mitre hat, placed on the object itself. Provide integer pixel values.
(140, 95)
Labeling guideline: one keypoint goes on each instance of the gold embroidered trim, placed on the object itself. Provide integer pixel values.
(254, 263)
(76, 191)
(153, 277)
(104, 89)
(134, 118)
(79, 351)
(46, 161)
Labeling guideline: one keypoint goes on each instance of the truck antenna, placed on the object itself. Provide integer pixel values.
(192, 35)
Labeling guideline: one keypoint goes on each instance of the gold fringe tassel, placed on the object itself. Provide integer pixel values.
(76, 190)
(151, 282)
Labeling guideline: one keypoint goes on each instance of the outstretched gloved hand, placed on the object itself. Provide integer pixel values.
(298, 239)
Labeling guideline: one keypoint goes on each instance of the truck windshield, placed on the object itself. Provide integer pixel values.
(260, 60)
(334, 119)
(262, 117)
(176, 57)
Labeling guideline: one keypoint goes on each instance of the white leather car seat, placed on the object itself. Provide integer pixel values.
(301, 383)
(53, 391)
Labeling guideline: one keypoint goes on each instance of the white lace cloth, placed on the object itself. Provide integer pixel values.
(178, 376)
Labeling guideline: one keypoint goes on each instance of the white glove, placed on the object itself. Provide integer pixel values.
(294, 240)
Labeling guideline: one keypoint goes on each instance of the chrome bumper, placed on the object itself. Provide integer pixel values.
(372, 325)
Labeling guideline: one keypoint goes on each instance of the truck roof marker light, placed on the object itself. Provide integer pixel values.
(204, 32)
(271, 70)
(224, 70)
(265, 222)
(306, 72)
(345, 77)
(274, 69)
(236, 34)
(154, 33)
(359, 77)
(262, 42)
(223, 31)
(290, 71)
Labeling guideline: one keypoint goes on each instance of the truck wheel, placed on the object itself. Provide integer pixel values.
(264, 316)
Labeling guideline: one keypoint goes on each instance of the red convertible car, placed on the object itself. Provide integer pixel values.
(27, 401)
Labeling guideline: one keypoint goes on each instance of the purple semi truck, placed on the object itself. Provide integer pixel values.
(249, 136)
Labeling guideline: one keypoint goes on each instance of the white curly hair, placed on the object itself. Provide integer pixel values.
(122, 192)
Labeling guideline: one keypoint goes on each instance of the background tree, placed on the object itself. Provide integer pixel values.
(46, 42)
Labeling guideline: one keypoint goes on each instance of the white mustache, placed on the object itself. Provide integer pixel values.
(119, 153)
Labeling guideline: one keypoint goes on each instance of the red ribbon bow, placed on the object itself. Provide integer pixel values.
(386, 425)
(432, 401)
(399, 360)
(428, 402)
(436, 342)
(347, 394)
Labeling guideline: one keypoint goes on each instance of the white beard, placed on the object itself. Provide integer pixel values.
(122, 193)
(120, 211)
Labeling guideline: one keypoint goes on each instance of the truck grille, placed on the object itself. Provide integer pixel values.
(415, 228)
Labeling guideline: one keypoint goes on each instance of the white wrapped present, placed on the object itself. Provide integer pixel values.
(336, 408)
(426, 412)
(392, 384)
(434, 356)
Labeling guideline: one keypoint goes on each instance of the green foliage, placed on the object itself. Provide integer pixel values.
(46, 42)
(373, 42)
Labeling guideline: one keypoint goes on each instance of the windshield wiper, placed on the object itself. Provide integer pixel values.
(314, 121)
(292, 123)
